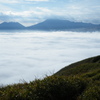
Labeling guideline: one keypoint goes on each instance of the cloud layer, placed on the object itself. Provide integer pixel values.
(27, 55)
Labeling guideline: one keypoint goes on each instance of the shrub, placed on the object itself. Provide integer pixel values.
(58, 88)
(50, 88)
(92, 93)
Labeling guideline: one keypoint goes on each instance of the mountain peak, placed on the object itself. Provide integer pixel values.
(59, 24)
(56, 20)
(11, 25)
(53, 25)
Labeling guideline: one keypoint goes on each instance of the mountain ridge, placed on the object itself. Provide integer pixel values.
(11, 25)
(53, 25)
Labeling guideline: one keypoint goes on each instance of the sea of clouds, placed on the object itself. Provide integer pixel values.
(33, 54)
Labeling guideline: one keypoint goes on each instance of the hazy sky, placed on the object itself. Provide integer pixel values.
(33, 11)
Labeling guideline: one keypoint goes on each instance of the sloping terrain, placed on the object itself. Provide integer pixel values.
(11, 26)
(78, 81)
(81, 67)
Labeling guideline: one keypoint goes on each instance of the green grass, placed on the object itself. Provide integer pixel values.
(78, 81)
(80, 67)
(50, 88)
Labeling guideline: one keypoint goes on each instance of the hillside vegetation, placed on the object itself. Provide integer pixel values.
(78, 81)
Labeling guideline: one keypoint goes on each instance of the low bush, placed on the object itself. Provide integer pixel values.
(92, 93)
(50, 88)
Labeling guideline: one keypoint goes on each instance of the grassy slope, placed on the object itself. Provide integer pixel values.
(81, 67)
(78, 81)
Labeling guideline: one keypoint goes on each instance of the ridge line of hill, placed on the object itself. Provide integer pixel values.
(52, 25)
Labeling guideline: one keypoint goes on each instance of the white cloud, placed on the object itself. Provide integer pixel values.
(38, 11)
(71, 12)
(25, 55)
(25, 10)
(33, 15)
(9, 1)
(21, 1)
(36, 0)
(78, 12)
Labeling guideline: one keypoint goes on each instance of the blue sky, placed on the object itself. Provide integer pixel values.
(29, 12)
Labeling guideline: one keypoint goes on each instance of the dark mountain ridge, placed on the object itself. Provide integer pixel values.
(11, 26)
(61, 24)
(53, 25)
(56, 24)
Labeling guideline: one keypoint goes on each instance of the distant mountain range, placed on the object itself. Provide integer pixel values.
(11, 26)
(52, 25)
